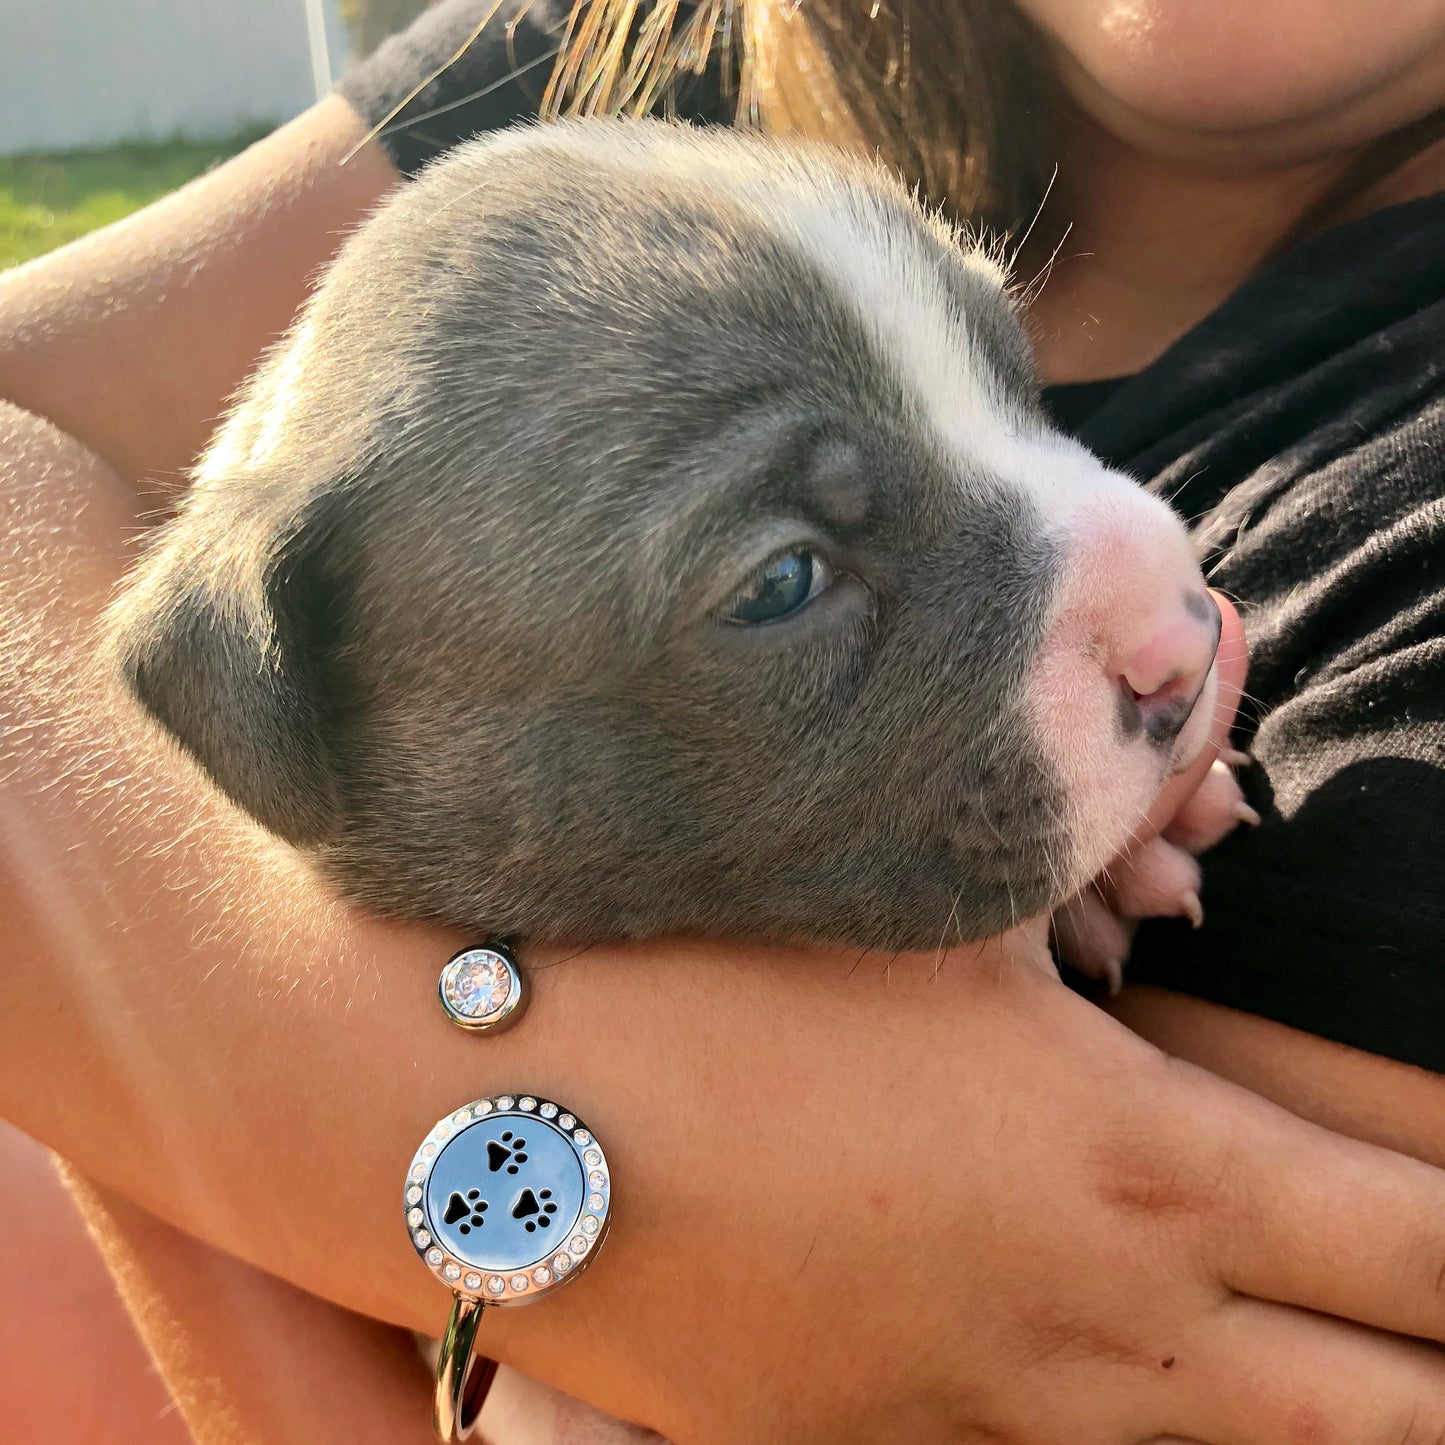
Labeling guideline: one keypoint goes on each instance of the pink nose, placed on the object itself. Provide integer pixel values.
(1161, 681)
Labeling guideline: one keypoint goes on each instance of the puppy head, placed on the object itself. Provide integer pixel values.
(648, 530)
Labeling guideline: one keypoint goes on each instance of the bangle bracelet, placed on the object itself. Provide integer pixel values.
(507, 1199)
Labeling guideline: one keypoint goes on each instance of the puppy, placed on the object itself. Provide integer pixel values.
(655, 531)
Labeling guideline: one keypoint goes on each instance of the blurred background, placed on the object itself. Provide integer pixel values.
(107, 104)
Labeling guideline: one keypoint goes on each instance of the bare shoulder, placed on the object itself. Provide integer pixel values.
(1396, 1105)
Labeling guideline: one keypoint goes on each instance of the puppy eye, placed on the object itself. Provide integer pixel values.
(784, 587)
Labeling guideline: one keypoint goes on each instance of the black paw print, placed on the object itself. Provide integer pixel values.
(506, 1155)
(539, 1204)
(471, 1209)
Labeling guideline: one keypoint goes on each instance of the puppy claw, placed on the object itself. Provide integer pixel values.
(1192, 909)
(1246, 814)
(1233, 758)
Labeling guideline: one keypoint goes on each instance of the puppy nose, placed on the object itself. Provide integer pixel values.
(1160, 682)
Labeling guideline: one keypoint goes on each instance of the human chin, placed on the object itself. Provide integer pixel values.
(1275, 82)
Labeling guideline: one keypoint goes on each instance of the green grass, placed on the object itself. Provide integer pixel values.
(47, 200)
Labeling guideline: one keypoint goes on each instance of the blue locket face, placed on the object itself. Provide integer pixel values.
(505, 1193)
(507, 1198)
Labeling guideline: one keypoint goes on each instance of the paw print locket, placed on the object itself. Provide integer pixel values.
(506, 1200)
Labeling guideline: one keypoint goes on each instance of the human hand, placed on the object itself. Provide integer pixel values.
(1156, 875)
(1008, 1220)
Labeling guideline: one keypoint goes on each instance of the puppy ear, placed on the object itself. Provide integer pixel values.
(225, 638)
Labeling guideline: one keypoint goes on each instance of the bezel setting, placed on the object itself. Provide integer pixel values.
(568, 1245)
(499, 973)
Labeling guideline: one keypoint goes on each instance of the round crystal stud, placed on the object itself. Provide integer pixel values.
(542, 1274)
(520, 1282)
(548, 1111)
(526, 1105)
(561, 1263)
(418, 1172)
(428, 1149)
(461, 1116)
(434, 1256)
(483, 1106)
(422, 1239)
(473, 1281)
(582, 1137)
(590, 1224)
(506, 1102)
(593, 1156)
(594, 1201)
(597, 1179)
(565, 1121)
(480, 989)
(414, 1217)
(444, 1130)
(577, 1244)
(413, 1195)
(453, 1271)
(496, 1284)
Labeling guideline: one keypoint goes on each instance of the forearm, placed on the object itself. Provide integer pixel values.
(187, 1017)
(249, 1359)
(1351, 1092)
(134, 338)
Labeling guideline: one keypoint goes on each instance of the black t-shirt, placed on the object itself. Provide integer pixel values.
(1301, 428)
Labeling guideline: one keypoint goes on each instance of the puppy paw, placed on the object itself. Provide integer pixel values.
(1090, 937)
(1215, 809)
(1158, 880)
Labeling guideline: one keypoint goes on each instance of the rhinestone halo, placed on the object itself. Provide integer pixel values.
(518, 1281)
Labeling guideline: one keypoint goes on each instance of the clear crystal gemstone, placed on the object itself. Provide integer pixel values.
(561, 1263)
(506, 1102)
(593, 1156)
(548, 1111)
(413, 1195)
(577, 1244)
(590, 1224)
(476, 985)
(582, 1137)
(526, 1105)
(434, 1256)
(422, 1239)
(594, 1201)
(473, 1281)
(566, 1121)
(496, 1284)
(461, 1116)
(542, 1274)
(597, 1179)
(418, 1172)
(484, 1106)
(414, 1217)
(453, 1271)
(428, 1149)
(520, 1282)
(443, 1130)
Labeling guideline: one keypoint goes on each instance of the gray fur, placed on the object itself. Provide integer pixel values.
(448, 619)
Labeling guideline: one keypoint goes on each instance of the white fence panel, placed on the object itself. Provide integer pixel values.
(82, 73)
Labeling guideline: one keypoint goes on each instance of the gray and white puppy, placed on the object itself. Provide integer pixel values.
(648, 530)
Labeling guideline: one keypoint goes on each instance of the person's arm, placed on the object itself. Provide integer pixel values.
(1367, 1097)
(249, 1359)
(134, 338)
(1010, 1208)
